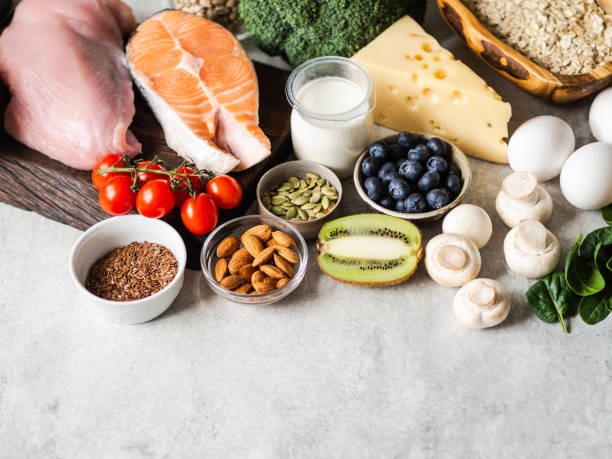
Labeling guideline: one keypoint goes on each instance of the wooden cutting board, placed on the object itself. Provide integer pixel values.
(32, 181)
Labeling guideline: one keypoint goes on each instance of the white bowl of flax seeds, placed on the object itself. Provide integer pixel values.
(130, 268)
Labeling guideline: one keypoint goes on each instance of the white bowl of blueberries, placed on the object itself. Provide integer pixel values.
(412, 176)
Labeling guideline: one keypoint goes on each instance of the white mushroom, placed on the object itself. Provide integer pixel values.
(521, 198)
(481, 303)
(470, 221)
(452, 260)
(531, 250)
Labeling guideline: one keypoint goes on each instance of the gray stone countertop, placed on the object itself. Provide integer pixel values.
(332, 371)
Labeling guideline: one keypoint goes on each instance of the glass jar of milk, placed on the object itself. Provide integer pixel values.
(331, 120)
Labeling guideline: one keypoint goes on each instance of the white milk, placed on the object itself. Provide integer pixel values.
(336, 143)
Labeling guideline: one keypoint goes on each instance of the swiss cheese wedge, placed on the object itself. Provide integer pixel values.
(421, 87)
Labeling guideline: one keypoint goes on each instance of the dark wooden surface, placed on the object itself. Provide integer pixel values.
(32, 181)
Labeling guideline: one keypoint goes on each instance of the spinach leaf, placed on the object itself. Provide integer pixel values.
(603, 261)
(601, 236)
(552, 300)
(595, 308)
(581, 272)
(606, 213)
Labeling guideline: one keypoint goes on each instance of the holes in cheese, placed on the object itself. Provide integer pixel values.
(440, 74)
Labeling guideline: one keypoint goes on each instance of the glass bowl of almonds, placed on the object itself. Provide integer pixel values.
(255, 259)
(304, 193)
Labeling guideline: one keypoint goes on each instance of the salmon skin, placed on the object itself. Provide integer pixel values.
(202, 88)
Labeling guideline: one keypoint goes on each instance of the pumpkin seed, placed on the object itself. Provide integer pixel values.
(312, 176)
(278, 200)
(300, 200)
(308, 205)
(278, 210)
(316, 196)
(291, 213)
(294, 181)
(302, 213)
(325, 202)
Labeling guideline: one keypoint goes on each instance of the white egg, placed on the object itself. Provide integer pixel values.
(586, 177)
(540, 146)
(600, 116)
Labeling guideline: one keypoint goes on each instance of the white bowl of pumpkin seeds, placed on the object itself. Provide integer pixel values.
(305, 193)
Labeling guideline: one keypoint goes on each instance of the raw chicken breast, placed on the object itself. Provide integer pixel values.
(72, 96)
(202, 88)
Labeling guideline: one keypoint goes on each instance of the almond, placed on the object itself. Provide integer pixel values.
(283, 239)
(262, 232)
(281, 282)
(252, 244)
(283, 265)
(240, 258)
(266, 285)
(272, 271)
(263, 256)
(257, 277)
(273, 243)
(227, 247)
(231, 282)
(288, 255)
(220, 269)
(246, 272)
(244, 288)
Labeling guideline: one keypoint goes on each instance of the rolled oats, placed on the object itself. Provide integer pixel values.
(565, 37)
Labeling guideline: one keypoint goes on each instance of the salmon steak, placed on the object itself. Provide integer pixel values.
(71, 92)
(202, 88)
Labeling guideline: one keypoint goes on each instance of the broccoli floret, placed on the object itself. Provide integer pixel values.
(303, 29)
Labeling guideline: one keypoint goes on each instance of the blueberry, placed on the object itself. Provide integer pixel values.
(370, 166)
(438, 164)
(406, 140)
(438, 197)
(398, 189)
(454, 170)
(415, 203)
(380, 150)
(390, 176)
(400, 206)
(453, 184)
(439, 147)
(418, 152)
(429, 181)
(386, 168)
(374, 189)
(411, 170)
(387, 202)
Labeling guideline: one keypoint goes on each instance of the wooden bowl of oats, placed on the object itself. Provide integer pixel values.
(560, 53)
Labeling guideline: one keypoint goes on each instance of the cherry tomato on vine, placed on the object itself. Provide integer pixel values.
(181, 192)
(200, 214)
(110, 160)
(117, 197)
(144, 177)
(225, 190)
(155, 199)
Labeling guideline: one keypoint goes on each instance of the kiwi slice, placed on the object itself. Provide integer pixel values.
(369, 249)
